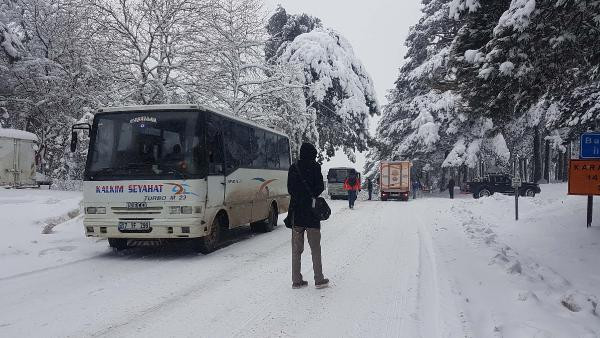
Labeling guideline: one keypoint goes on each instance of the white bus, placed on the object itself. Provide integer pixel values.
(335, 181)
(180, 172)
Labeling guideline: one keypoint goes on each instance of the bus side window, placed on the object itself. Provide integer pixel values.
(214, 144)
(237, 138)
(284, 153)
(257, 148)
(272, 151)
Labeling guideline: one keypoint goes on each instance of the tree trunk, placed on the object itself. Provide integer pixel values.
(547, 162)
(557, 172)
(537, 161)
(566, 163)
(442, 183)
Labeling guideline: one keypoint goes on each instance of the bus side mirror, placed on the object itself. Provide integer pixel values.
(73, 141)
(74, 128)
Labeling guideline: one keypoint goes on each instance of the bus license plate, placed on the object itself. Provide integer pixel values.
(134, 225)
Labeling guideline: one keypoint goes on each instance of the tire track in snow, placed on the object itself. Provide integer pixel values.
(407, 300)
(435, 296)
(186, 295)
(50, 268)
(370, 280)
(332, 246)
(197, 291)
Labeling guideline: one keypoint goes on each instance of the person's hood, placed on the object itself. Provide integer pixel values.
(308, 152)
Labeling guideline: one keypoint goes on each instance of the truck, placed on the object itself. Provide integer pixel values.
(335, 181)
(394, 180)
(180, 173)
(17, 158)
(500, 183)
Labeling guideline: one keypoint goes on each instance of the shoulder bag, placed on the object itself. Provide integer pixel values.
(319, 207)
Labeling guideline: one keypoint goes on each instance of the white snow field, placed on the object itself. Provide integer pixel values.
(432, 267)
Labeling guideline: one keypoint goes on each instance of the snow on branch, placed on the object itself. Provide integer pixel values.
(517, 17)
(459, 6)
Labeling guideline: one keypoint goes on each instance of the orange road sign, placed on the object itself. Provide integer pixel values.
(584, 177)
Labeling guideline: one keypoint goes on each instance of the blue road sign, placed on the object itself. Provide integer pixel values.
(590, 145)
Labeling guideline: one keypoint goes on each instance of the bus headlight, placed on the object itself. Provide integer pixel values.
(95, 210)
(181, 210)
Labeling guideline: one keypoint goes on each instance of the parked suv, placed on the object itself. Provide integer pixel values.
(501, 183)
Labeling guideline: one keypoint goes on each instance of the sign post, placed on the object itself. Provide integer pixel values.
(516, 183)
(589, 150)
(590, 208)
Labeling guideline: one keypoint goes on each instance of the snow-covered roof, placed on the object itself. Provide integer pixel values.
(18, 134)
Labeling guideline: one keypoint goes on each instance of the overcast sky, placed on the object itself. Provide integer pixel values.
(375, 28)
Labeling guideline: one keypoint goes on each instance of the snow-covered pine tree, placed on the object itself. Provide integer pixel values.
(488, 104)
(419, 122)
(538, 56)
(283, 28)
(337, 86)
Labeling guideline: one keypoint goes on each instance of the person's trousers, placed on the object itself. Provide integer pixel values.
(314, 241)
(370, 194)
(451, 193)
(351, 197)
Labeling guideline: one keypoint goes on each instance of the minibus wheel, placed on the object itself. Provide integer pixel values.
(209, 243)
(268, 224)
(118, 243)
(271, 222)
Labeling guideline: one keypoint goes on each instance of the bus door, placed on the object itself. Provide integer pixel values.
(238, 191)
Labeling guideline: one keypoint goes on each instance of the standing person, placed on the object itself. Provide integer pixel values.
(352, 186)
(305, 182)
(451, 185)
(416, 185)
(370, 188)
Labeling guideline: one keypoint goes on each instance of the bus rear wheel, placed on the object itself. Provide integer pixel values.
(268, 224)
(209, 243)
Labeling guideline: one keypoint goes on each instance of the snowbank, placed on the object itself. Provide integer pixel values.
(534, 277)
(42, 229)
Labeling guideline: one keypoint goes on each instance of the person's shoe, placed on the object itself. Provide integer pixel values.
(299, 285)
(322, 284)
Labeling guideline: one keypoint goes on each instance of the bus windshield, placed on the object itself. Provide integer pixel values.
(337, 175)
(146, 145)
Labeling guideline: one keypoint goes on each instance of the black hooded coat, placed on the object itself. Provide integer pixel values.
(302, 194)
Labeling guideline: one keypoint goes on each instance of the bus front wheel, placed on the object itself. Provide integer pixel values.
(209, 243)
(118, 243)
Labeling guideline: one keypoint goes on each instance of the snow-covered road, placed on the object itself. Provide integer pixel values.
(427, 268)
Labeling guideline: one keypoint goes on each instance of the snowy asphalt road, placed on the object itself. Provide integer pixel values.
(371, 254)
(427, 268)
